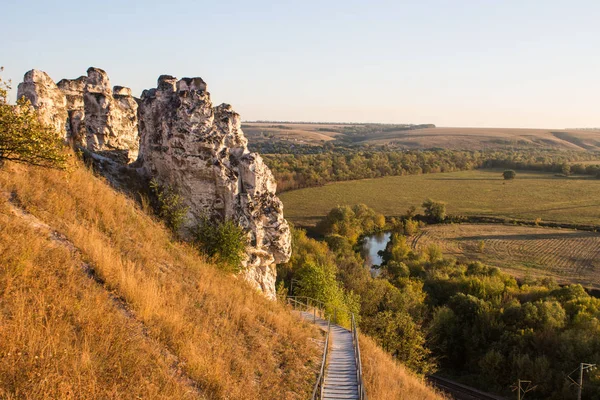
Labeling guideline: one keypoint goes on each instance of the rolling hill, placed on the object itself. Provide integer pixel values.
(456, 138)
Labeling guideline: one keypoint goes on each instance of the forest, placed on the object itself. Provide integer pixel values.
(466, 320)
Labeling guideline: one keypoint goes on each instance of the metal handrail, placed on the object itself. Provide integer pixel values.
(362, 392)
(318, 389)
(322, 311)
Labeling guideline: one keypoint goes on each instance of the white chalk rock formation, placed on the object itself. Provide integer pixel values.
(202, 152)
(73, 90)
(185, 143)
(110, 118)
(46, 97)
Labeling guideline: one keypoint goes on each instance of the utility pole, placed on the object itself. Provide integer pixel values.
(582, 367)
(522, 390)
(580, 385)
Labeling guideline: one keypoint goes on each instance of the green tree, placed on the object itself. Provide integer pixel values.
(434, 210)
(23, 138)
(168, 204)
(509, 174)
(397, 333)
(226, 241)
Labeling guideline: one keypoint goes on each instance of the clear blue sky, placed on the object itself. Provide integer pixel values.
(453, 63)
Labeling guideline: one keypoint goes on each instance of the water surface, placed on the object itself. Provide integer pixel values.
(373, 244)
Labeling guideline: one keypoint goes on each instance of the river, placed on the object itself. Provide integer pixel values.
(373, 244)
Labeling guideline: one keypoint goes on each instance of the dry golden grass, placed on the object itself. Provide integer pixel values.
(229, 341)
(154, 320)
(482, 138)
(387, 379)
(61, 337)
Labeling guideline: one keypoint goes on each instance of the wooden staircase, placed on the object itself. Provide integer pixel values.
(341, 371)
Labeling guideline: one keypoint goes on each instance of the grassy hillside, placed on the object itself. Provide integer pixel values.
(485, 138)
(156, 320)
(387, 379)
(529, 196)
(98, 301)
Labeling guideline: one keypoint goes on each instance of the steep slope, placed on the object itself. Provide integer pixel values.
(144, 316)
(62, 336)
(98, 301)
(385, 378)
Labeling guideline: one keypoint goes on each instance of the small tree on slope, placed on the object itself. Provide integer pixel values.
(23, 138)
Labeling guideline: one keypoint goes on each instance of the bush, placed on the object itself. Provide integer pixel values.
(509, 174)
(168, 205)
(226, 241)
(434, 210)
(23, 138)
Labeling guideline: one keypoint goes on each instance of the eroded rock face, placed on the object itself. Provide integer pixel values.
(202, 152)
(46, 97)
(185, 143)
(110, 118)
(73, 90)
(87, 111)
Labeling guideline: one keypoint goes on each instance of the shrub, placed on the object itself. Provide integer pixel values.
(434, 210)
(480, 246)
(226, 241)
(23, 138)
(411, 227)
(433, 252)
(168, 205)
(509, 174)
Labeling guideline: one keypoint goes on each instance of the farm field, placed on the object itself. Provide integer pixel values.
(482, 138)
(482, 192)
(456, 138)
(311, 134)
(567, 255)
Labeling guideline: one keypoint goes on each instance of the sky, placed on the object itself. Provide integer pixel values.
(479, 63)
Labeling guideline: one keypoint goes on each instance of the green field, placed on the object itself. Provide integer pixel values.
(530, 196)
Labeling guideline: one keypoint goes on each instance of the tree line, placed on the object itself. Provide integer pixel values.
(295, 171)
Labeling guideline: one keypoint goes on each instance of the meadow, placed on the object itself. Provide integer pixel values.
(566, 255)
(481, 192)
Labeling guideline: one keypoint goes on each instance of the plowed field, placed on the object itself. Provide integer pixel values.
(567, 255)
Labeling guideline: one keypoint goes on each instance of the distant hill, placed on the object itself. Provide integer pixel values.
(423, 136)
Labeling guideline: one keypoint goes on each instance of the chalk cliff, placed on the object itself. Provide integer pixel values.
(202, 151)
(182, 141)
